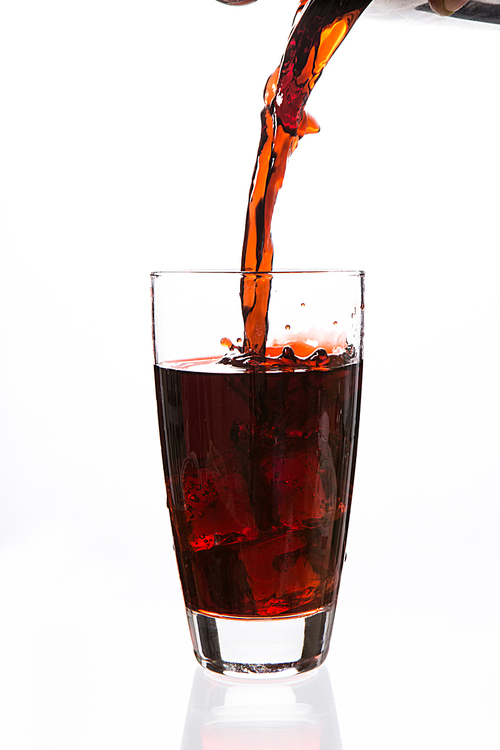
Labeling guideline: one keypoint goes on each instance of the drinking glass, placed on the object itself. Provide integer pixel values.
(259, 457)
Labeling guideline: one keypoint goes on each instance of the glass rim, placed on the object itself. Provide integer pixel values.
(339, 271)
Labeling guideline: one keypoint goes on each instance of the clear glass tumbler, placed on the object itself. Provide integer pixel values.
(259, 455)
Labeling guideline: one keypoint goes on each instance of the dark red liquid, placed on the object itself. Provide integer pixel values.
(259, 468)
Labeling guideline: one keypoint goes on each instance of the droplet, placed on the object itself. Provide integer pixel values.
(238, 341)
(287, 328)
(320, 357)
(335, 323)
(288, 353)
(302, 304)
(226, 342)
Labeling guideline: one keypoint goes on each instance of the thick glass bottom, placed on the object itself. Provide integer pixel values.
(263, 645)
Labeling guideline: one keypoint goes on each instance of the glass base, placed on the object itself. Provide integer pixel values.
(263, 645)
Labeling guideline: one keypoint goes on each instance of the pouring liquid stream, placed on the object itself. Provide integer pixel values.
(319, 27)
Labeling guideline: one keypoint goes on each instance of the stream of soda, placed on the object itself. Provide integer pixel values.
(318, 29)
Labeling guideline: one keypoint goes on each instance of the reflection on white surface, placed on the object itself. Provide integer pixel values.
(296, 714)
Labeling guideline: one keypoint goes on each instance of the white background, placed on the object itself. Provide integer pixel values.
(128, 132)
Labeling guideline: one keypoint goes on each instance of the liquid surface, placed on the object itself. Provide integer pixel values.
(259, 468)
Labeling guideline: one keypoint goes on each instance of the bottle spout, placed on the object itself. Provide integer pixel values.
(473, 10)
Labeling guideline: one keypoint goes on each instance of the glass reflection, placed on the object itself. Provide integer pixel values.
(253, 714)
